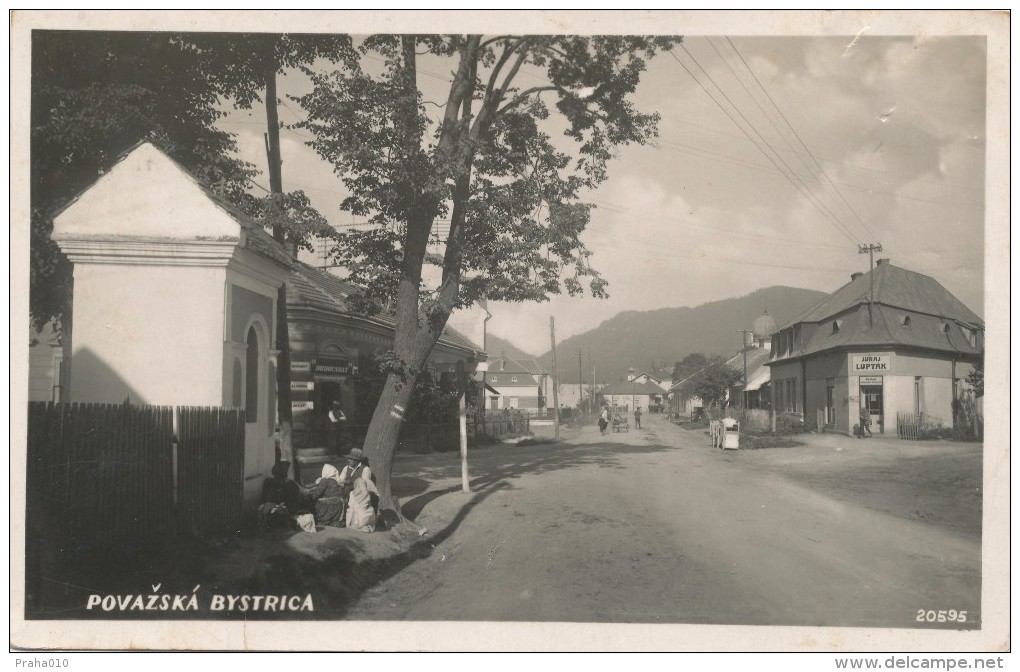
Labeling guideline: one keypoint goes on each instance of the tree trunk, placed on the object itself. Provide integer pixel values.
(381, 440)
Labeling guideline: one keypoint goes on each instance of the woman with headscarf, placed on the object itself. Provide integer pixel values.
(327, 493)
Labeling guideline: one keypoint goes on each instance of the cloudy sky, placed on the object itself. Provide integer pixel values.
(777, 157)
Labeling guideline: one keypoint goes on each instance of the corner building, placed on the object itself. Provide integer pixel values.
(890, 341)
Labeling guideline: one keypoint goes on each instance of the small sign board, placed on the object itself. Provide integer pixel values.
(302, 405)
(334, 366)
(300, 367)
(302, 385)
(871, 380)
(870, 363)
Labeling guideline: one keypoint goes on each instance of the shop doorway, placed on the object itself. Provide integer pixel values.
(871, 396)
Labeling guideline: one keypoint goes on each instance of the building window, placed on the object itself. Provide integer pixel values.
(493, 379)
(251, 378)
(836, 324)
(905, 321)
(793, 395)
(830, 405)
(513, 379)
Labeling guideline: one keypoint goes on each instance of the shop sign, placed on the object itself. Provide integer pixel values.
(298, 385)
(330, 366)
(871, 380)
(300, 367)
(870, 363)
(302, 405)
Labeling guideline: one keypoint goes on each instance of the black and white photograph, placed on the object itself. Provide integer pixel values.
(510, 330)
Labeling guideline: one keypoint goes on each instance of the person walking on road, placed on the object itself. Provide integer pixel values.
(604, 420)
(865, 422)
(637, 418)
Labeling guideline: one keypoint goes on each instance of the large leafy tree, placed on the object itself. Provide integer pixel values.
(94, 95)
(484, 160)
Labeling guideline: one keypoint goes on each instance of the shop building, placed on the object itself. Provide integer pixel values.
(890, 341)
(328, 344)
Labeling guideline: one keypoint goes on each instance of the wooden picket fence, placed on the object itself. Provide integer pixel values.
(210, 468)
(100, 473)
(918, 426)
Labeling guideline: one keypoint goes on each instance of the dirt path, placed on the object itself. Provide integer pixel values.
(655, 526)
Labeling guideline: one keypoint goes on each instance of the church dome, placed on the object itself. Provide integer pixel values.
(764, 326)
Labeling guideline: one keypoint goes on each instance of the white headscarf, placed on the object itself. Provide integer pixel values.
(329, 471)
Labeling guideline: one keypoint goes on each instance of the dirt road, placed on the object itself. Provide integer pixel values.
(655, 526)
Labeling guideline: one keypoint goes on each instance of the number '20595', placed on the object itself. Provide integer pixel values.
(950, 616)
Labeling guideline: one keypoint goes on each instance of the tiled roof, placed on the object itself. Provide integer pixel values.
(909, 310)
(894, 286)
(534, 367)
(318, 289)
(756, 358)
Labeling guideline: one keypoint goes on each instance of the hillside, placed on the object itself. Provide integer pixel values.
(653, 341)
(496, 346)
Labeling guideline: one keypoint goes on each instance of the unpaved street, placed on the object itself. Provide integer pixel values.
(656, 526)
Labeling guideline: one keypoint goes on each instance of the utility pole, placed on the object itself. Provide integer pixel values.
(555, 380)
(580, 378)
(743, 348)
(870, 249)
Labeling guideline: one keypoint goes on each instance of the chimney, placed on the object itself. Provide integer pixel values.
(854, 276)
(881, 261)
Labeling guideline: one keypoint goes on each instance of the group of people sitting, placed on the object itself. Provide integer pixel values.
(339, 498)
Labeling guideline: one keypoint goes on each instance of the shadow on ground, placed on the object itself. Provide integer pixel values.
(341, 570)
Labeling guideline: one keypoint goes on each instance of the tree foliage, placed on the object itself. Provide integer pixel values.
(485, 152)
(688, 366)
(483, 164)
(976, 378)
(708, 382)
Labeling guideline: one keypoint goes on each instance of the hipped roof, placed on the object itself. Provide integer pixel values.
(894, 287)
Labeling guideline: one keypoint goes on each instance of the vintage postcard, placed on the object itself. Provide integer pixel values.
(510, 330)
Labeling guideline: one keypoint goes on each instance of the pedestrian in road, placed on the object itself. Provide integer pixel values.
(604, 420)
(637, 418)
(865, 421)
(336, 420)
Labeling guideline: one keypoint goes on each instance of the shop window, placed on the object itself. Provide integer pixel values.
(251, 382)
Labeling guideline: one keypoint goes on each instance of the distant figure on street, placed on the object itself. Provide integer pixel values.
(604, 420)
(865, 421)
(637, 418)
(336, 420)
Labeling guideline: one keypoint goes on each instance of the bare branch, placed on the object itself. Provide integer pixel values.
(523, 95)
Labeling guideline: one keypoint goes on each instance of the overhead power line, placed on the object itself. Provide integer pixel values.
(774, 157)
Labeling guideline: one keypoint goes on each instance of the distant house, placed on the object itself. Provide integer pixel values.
(646, 378)
(634, 394)
(515, 384)
(890, 341)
